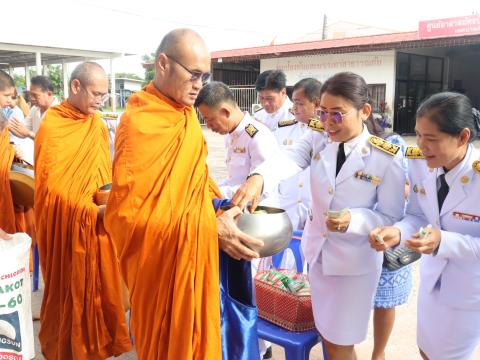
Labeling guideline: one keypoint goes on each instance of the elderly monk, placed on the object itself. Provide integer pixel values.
(82, 315)
(160, 211)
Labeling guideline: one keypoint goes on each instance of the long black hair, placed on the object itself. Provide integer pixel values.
(452, 112)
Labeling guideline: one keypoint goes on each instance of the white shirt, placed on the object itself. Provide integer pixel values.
(371, 203)
(32, 121)
(271, 120)
(294, 193)
(25, 145)
(455, 269)
(247, 146)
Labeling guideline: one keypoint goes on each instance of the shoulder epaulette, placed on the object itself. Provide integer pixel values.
(476, 166)
(258, 109)
(289, 122)
(383, 145)
(251, 130)
(316, 125)
(414, 152)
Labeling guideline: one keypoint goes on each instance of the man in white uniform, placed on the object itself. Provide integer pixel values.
(294, 192)
(247, 141)
(272, 93)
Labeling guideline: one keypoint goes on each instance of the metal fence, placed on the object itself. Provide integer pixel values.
(245, 98)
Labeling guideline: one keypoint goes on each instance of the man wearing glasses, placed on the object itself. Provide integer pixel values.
(82, 314)
(160, 211)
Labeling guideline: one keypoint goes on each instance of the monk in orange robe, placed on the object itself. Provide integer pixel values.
(160, 211)
(7, 153)
(82, 315)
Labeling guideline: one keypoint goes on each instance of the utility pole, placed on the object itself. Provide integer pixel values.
(324, 29)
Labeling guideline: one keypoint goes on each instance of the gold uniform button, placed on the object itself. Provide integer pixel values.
(365, 150)
(464, 179)
(330, 190)
(299, 201)
(300, 185)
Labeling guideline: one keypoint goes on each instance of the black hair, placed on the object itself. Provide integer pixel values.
(6, 81)
(271, 80)
(311, 88)
(348, 85)
(452, 112)
(43, 82)
(215, 93)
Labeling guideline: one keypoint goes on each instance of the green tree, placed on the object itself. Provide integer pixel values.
(55, 73)
(19, 80)
(149, 73)
(127, 76)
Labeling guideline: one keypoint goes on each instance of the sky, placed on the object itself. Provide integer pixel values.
(137, 26)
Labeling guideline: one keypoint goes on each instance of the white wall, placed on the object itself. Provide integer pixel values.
(375, 67)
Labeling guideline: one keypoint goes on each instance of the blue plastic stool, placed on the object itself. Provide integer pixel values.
(36, 268)
(297, 345)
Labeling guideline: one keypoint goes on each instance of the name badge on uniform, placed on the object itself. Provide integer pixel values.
(467, 217)
(239, 149)
(370, 178)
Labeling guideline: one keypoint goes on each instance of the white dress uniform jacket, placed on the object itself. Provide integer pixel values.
(250, 144)
(448, 325)
(294, 192)
(370, 184)
(455, 268)
(271, 120)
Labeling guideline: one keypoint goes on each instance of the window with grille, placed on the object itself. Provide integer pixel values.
(376, 93)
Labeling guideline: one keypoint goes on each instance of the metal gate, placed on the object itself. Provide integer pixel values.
(245, 97)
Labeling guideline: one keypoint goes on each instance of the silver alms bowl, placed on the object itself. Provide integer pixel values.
(274, 228)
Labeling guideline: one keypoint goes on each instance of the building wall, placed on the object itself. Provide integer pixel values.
(376, 67)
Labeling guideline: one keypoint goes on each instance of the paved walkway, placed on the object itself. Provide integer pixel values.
(402, 345)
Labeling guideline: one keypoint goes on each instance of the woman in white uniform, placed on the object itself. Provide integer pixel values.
(357, 181)
(445, 193)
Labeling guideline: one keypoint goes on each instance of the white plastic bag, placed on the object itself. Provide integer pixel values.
(16, 327)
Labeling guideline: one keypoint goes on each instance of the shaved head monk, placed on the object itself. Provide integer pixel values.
(160, 211)
(82, 314)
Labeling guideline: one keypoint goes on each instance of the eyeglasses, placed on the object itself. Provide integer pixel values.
(335, 116)
(101, 97)
(196, 75)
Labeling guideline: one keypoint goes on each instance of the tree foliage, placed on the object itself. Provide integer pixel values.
(149, 73)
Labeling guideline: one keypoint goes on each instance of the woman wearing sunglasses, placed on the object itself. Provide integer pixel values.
(444, 192)
(357, 183)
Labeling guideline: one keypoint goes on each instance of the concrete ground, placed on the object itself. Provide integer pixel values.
(402, 345)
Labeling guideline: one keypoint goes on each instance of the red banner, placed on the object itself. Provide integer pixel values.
(465, 25)
(10, 356)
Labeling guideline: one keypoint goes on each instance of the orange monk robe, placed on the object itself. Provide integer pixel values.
(82, 315)
(161, 218)
(7, 214)
(12, 219)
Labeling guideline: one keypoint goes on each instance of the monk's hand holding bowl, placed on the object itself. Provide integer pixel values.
(234, 242)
